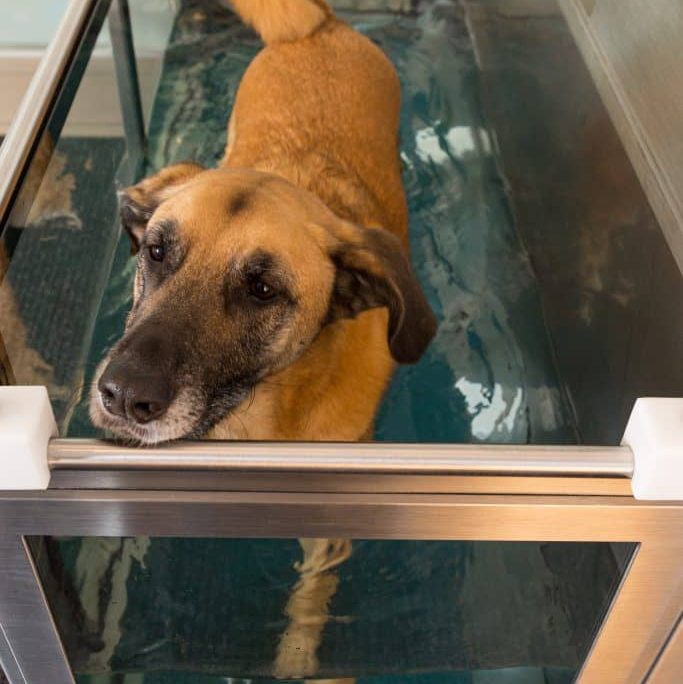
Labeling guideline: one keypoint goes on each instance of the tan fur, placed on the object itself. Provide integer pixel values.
(282, 20)
(312, 163)
(337, 137)
(308, 607)
(346, 153)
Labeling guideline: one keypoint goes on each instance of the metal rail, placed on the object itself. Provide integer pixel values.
(346, 457)
(638, 624)
(128, 84)
(36, 104)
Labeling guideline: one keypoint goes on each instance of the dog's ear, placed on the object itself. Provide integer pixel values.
(372, 270)
(138, 202)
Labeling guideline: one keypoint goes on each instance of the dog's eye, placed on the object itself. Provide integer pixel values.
(156, 252)
(261, 290)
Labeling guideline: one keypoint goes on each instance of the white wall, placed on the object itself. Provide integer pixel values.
(26, 27)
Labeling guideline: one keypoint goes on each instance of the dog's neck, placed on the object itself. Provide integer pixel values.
(330, 392)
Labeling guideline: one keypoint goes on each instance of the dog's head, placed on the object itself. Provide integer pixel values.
(238, 272)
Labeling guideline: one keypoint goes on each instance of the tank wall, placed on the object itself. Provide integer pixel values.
(612, 291)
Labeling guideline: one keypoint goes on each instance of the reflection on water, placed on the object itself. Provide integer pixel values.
(489, 374)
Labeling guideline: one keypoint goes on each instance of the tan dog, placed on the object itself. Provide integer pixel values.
(274, 294)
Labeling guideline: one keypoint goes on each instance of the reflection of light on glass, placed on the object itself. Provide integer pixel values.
(509, 420)
(460, 141)
(490, 412)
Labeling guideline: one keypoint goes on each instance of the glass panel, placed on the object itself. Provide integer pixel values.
(170, 609)
(604, 270)
(57, 243)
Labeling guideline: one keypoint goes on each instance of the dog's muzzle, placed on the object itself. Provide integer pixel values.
(138, 384)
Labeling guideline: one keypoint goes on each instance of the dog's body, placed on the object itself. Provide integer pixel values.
(337, 135)
(273, 295)
(337, 138)
(307, 197)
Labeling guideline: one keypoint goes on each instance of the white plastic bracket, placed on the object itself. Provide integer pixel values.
(26, 425)
(655, 435)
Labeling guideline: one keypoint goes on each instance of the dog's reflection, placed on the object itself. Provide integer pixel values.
(103, 572)
(308, 606)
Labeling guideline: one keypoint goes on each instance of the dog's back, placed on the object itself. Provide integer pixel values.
(320, 106)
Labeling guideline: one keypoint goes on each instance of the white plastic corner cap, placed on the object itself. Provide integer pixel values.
(26, 425)
(655, 435)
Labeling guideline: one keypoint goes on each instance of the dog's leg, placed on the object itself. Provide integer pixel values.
(308, 607)
(100, 560)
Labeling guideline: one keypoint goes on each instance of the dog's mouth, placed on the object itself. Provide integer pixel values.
(191, 414)
(179, 421)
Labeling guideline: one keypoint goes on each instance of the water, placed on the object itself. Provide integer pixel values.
(489, 374)
(207, 611)
(181, 610)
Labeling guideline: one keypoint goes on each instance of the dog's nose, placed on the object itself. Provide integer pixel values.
(136, 396)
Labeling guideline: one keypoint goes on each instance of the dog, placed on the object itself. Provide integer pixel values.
(274, 294)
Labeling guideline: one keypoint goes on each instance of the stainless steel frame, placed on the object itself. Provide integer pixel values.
(436, 459)
(121, 33)
(36, 105)
(30, 648)
(637, 627)
(44, 97)
(669, 664)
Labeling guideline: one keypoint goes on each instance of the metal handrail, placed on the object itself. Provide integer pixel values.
(36, 105)
(356, 457)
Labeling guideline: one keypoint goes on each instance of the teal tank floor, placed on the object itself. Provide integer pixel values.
(489, 374)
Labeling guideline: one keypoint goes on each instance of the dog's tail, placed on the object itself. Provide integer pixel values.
(280, 21)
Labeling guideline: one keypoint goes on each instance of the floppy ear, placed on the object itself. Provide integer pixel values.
(372, 270)
(138, 202)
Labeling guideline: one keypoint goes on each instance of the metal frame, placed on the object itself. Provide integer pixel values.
(28, 128)
(46, 103)
(669, 663)
(30, 647)
(42, 97)
(638, 625)
(347, 457)
(121, 33)
(35, 107)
